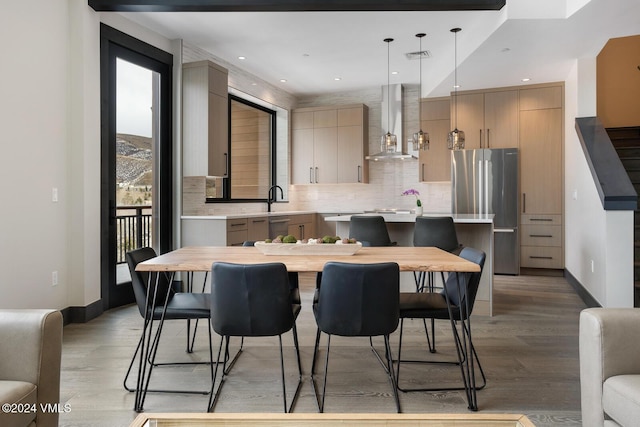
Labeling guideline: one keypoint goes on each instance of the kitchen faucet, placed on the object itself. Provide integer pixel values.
(272, 195)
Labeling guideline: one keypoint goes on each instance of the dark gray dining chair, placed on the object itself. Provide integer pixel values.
(252, 301)
(439, 232)
(179, 306)
(370, 230)
(357, 300)
(454, 303)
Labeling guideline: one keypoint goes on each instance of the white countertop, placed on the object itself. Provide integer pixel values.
(246, 215)
(401, 217)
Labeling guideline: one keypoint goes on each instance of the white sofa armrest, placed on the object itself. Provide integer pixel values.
(31, 351)
(609, 346)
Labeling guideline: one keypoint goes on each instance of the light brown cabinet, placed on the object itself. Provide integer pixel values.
(319, 134)
(489, 119)
(302, 226)
(237, 231)
(434, 164)
(257, 228)
(541, 183)
(205, 119)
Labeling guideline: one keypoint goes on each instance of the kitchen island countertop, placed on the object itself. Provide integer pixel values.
(402, 217)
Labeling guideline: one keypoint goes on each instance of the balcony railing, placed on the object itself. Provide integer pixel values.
(134, 226)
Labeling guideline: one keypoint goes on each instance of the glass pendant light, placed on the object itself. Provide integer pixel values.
(455, 138)
(420, 139)
(389, 141)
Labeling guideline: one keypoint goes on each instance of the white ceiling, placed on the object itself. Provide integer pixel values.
(537, 39)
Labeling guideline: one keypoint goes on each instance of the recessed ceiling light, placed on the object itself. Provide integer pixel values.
(394, 72)
(457, 86)
(526, 79)
(242, 57)
(254, 84)
(337, 79)
(283, 80)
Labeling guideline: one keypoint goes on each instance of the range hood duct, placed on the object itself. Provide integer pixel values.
(391, 114)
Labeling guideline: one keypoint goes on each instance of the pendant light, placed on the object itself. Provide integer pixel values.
(389, 141)
(420, 139)
(455, 138)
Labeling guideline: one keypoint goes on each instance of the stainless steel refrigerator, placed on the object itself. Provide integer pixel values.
(485, 181)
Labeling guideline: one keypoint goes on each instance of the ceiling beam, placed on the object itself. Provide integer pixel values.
(291, 5)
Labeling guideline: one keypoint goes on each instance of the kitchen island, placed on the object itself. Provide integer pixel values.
(475, 231)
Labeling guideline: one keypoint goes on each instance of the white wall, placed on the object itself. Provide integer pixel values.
(50, 121)
(35, 123)
(591, 233)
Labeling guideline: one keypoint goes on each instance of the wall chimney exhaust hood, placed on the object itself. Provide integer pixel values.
(391, 113)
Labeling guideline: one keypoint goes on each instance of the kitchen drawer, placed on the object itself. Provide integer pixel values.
(541, 235)
(236, 224)
(300, 219)
(543, 219)
(541, 257)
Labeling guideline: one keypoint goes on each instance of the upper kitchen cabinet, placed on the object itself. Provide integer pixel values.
(489, 119)
(205, 119)
(319, 134)
(434, 164)
(353, 144)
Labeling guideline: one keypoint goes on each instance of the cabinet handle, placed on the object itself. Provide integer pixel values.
(258, 220)
(359, 173)
(310, 175)
(540, 235)
(301, 230)
(540, 257)
(524, 203)
(481, 139)
(541, 219)
(237, 225)
(422, 172)
(316, 174)
(488, 141)
(226, 164)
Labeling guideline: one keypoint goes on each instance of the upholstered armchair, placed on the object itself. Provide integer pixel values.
(610, 366)
(30, 354)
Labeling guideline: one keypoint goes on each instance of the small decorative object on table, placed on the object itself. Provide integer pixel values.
(413, 192)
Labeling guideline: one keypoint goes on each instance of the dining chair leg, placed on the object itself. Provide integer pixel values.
(299, 386)
(392, 378)
(326, 369)
(215, 392)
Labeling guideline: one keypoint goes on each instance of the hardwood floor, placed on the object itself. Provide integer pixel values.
(529, 351)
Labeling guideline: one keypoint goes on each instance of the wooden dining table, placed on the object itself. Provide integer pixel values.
(201, 258)
(408, 258)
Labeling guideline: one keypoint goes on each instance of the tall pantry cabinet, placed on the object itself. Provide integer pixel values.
(541, 178)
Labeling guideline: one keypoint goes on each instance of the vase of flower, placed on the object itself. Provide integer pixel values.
(416, 193)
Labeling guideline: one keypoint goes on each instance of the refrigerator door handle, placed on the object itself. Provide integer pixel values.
(486, 186)
(480, 187)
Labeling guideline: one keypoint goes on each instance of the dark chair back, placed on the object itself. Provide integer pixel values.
(436, 231)
(140, 279)
(250, 300)
(469, 281)
(358, 299)
(371, 230)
